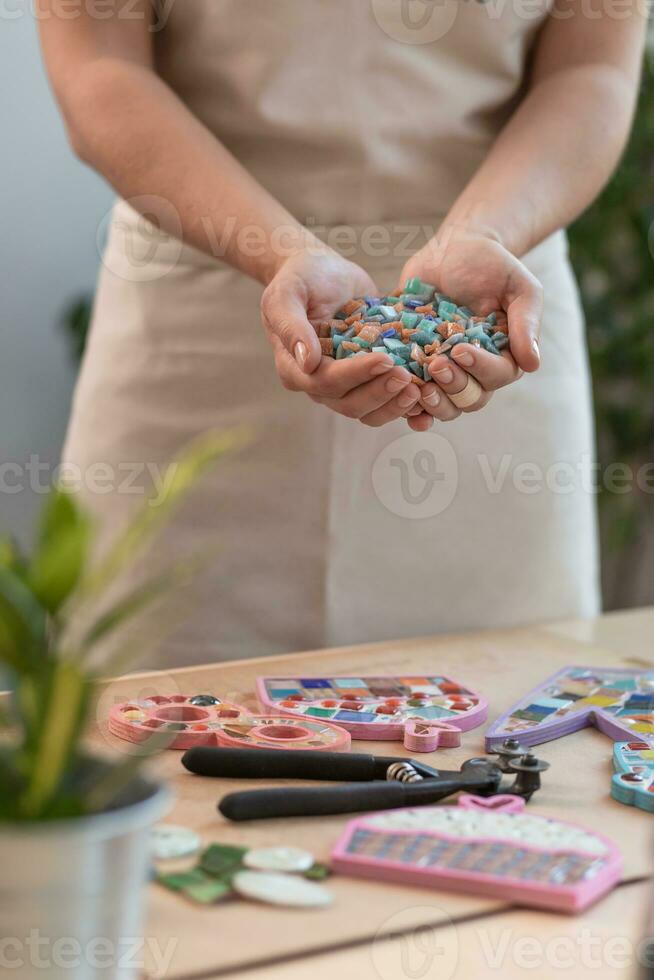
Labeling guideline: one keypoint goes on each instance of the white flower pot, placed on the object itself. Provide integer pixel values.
(71, 891)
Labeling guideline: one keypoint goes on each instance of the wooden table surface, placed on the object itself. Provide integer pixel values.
(366, 931)
(607, 941)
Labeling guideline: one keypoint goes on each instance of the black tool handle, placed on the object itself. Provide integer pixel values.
(261, 804)
(284, 764)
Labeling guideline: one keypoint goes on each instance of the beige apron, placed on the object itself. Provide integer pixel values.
(371, 114)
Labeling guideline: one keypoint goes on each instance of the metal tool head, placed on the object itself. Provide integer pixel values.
(510, 749)
(515, 759)
(422, 770)
(527, 769)
(411, 770)
(404, 772)
(527, 763)
(427, 772)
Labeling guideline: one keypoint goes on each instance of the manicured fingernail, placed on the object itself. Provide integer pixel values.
(396, 384)
(464, 357)
(536, 348)
(432, 398)
(300, 352)
(385, 365)
(408, 398)
(445, 375)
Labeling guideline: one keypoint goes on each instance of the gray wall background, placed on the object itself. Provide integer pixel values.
(51, 207)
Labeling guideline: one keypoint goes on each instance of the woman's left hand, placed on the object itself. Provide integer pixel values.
(478, 272)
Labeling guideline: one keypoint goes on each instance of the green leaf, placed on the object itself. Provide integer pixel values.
(209, 891)
(22, 623)
(12, 632)
(317, 872)
(58, 735)
(178, 880)
(62, 550)
(59, 514)
(52, 692)
(142, 643)
(30, 696)
(11, 557)
(10, 783)
(63, 806)
(7, 553)
(139, 599)
(75, 321)
(197, 885)
(220, 859)
(180, 477)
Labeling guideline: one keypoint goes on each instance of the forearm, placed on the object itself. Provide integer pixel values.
(552, 159)
(128, 125)
(557, 151)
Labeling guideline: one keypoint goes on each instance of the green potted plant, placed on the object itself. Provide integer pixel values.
(73, 826)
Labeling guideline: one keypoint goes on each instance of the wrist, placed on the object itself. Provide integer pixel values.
(287, 243)
(473, 226)
(515, 230)
(429, 260)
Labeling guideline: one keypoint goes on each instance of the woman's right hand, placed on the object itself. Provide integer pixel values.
(310, 286)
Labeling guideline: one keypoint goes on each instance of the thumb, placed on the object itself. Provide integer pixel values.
(524, 313)
(285, 317)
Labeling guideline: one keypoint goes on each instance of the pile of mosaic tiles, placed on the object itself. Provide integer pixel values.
(410, 325)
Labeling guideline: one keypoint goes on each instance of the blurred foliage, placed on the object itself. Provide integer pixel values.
(75, 322)
(612, 250)
(49, 635)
